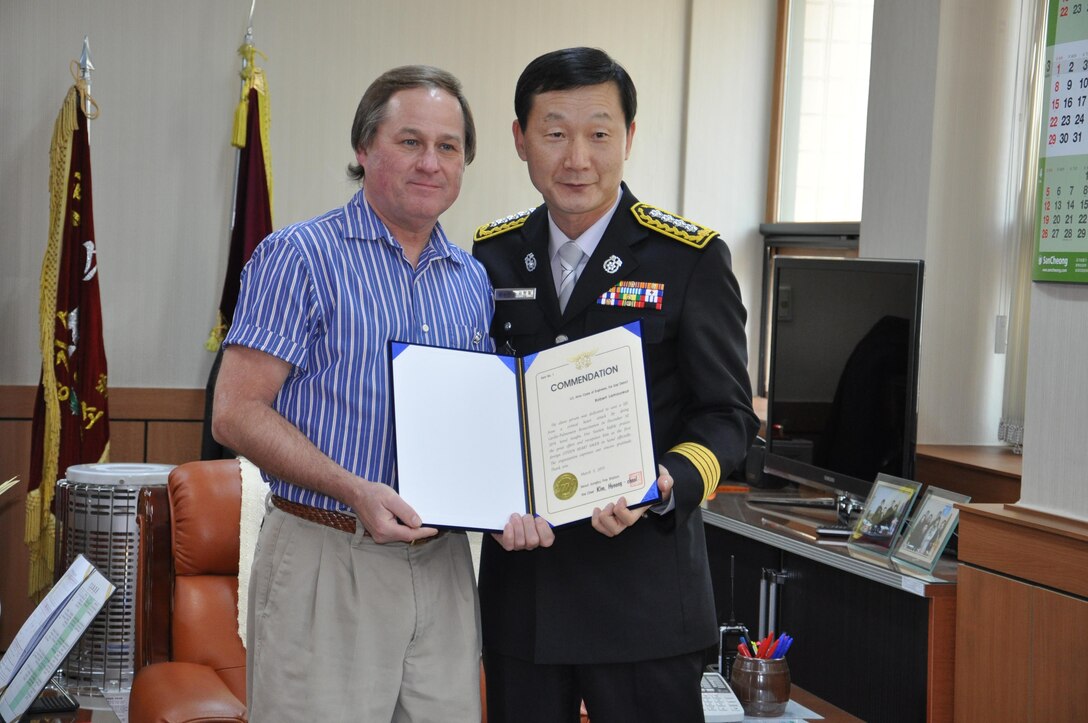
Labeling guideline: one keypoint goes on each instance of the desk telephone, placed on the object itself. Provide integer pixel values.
(720, 705)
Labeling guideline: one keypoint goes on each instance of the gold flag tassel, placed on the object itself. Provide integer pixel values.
(49, 546)
(86, 100)
(33, 539)
(252, 77)
(38, 500)
(33, 516)
(217, 334)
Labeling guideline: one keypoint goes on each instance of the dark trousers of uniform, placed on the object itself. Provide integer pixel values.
(665, 690)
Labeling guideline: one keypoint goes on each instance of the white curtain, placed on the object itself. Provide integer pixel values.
(1020, 224)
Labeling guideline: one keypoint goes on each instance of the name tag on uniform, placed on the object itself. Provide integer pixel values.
(515, 294)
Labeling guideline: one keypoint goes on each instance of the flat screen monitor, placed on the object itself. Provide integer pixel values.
(842, 387)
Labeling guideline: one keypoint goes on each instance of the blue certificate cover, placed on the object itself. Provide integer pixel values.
(555, 434)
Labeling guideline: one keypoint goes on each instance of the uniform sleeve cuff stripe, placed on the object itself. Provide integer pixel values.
(705, 462)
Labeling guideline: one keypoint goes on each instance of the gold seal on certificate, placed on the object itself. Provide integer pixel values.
(565, 486)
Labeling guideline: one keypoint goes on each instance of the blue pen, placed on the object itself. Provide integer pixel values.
(783, 647)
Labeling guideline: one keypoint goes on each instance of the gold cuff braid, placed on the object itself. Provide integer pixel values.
(705, 462)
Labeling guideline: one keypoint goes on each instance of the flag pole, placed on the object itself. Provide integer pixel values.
(247, 41)
(85, 69)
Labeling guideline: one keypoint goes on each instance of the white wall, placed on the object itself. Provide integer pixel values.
(166, 80)
(731, 51)
(937, 164)
(1055, 453)
(899, 128)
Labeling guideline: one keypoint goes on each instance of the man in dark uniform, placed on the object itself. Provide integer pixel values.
(617, 613)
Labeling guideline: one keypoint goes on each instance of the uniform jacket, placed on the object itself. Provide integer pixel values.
(645, 593)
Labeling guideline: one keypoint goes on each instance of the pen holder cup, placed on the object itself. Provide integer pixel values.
(761, 685)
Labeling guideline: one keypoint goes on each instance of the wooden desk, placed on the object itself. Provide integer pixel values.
(985, 473)
(872, 638)
(830, 713)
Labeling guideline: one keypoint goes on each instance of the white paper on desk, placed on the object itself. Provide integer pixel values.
(437, 421)
(794, 713)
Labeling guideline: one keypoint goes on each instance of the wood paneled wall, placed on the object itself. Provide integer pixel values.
(146, 425)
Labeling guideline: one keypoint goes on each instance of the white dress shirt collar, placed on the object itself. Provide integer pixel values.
(587, 241)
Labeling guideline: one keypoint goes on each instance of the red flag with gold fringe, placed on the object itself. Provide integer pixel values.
(71, 416)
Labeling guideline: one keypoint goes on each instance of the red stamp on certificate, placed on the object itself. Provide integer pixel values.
(634, 480)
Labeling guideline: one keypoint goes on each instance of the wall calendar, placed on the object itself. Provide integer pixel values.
(1061, 239)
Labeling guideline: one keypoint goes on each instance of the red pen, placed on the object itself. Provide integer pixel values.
(743, 650)
(765, 644)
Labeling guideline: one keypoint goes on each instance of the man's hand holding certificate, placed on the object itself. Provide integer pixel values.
(555, 434)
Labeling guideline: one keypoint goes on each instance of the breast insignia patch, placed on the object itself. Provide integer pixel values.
(501, 225)
(673, 226)
(634, 294)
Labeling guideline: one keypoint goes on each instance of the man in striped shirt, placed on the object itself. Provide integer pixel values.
(356, 610)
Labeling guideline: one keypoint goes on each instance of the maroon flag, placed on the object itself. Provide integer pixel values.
(252, 207)
(252, 217)
(71, 415)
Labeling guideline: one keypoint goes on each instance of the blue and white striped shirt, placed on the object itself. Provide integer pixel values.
(327, 295)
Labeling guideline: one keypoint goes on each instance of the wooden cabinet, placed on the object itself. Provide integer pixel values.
(985, 474)
(1022, 617)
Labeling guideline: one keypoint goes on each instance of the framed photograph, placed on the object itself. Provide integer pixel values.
(884, 514)
(931, 529)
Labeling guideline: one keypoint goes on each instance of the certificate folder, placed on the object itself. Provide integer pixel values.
(556, 433)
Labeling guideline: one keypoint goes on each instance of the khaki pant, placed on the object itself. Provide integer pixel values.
(341, 628)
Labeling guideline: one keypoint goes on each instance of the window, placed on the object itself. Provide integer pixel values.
(824, 100)
(817, 160)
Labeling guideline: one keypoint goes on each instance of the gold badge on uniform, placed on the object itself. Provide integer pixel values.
(634, 294)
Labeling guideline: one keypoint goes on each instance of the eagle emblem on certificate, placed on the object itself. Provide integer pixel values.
(583, 360)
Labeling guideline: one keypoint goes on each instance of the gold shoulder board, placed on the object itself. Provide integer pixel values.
(501, 225)
(673, 226)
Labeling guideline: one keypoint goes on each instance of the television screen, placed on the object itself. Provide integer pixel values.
(841, 399)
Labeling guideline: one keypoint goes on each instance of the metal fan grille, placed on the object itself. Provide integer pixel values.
(99, 521)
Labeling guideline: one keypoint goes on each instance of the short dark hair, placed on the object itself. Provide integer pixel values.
(572, 68)
(375, 102)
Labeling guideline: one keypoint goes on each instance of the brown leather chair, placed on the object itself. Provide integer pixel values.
(190, 664)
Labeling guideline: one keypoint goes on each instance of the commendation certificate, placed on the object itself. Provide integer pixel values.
(556, 434)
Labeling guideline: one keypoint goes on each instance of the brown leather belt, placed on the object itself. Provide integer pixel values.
(328, 518)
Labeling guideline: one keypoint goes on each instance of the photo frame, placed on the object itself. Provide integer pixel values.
(930, 529)
(883, 515)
